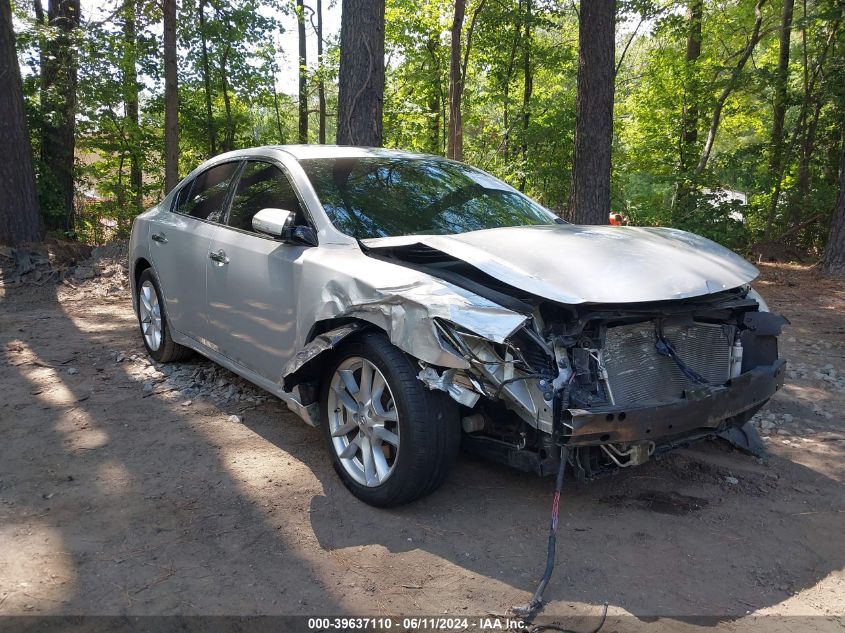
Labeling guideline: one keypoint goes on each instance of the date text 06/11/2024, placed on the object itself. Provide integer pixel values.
(419, 623)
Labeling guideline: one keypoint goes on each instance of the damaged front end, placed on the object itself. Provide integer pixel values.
(614, 383)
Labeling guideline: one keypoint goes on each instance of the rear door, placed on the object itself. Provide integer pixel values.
(180, 246)
(252, 289)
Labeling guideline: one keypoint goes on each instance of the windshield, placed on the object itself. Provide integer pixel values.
(369, 197)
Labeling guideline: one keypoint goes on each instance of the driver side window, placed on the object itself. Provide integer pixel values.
(262, 185)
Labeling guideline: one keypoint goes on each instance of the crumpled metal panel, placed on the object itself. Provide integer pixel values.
(594, 264)
(446, 382)
(338, 282)
(321, 343)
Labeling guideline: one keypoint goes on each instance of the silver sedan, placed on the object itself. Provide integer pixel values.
(407, 304)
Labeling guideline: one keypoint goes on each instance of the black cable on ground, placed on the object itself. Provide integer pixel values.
(529, 610)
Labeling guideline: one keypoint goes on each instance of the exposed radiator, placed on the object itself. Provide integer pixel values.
(637, 373)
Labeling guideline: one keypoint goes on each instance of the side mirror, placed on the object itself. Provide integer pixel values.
(274, 222)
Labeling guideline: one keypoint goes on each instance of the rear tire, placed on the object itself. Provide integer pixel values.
(152, 318)
(391, 439)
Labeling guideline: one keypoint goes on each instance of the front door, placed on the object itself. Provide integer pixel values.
(252, 284)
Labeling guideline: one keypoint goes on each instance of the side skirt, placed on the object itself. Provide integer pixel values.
(309, 413)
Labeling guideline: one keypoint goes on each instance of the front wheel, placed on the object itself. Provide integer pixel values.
(390, 438)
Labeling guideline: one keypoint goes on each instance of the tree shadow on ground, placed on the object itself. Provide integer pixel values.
(113, 503)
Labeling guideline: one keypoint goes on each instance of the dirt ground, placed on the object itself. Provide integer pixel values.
(126, 490)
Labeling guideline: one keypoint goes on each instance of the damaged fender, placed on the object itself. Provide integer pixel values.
(321, 343)
(402, 303)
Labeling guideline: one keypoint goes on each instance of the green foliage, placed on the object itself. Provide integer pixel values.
(230, 58)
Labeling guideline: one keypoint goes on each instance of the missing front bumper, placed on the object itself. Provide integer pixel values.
(701, 410)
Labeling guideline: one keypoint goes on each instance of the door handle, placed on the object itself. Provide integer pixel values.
(158, 237)
(219, 257)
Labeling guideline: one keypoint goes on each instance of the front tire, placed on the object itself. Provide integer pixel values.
(390, 438)
(155, 332)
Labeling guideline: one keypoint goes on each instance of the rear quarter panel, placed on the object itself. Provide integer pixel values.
(139, 248)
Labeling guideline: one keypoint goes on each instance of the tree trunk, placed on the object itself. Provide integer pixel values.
(455, 144)
(271, 81)
(171, 98)
(506, 105)
(689, 120)
(229, 136)
(121, 191)
(834, 257)
(303, 73)
(801, 126)
(130, 92)
(689, 115)
(206, 80)
(58, 104)
(803, 181)
(457, 77)
(39, 13)
(589, 199)
(802, 184)
(526, 93)
(729, 87)
(435, 99)
(361, 79)
(20, 219)
(321, 86)
(779, 112)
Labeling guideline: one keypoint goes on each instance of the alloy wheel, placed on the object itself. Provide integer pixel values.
(150, 310)
(363, 421)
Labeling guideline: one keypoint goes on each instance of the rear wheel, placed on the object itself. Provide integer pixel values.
(390, 438)
(153, 321)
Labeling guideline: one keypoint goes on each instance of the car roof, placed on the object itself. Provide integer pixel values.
(306, 152)
(301, 152)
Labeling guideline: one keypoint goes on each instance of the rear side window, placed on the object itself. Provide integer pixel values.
(205, 197)
(182, 198)
(262, 185)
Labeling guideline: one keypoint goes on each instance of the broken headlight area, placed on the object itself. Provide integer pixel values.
(615, 383)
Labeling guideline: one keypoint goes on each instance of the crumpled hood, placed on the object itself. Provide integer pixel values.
(593, 264)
